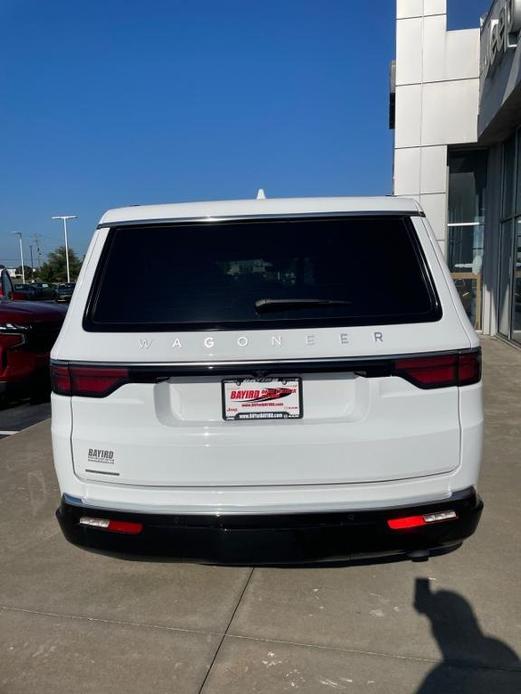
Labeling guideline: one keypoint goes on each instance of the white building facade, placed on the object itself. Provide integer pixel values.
(456, 112)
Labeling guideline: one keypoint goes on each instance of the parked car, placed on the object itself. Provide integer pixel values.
(303, 384)
(26, 292)
(28, 330)
(36, 291)
(45, 290)
(64, 292)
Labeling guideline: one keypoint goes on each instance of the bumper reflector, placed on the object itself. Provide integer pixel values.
(440, 516)
(115, 526)
(95, 522)
(419, 521)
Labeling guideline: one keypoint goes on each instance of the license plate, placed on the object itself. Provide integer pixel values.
(264, 398)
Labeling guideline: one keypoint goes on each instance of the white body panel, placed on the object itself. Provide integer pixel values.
(374, 431)
(362, 443)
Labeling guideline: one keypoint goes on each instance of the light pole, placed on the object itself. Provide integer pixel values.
(19, 234)
(66, 217)
(38, 251)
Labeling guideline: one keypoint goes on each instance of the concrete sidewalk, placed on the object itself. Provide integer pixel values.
(70, 620)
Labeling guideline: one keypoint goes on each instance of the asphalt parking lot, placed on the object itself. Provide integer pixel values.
(75, 621)
(16, 416)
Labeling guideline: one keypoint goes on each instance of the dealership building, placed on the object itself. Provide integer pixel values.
(456, 113)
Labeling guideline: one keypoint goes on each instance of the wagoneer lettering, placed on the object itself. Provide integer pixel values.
(313, 387)
(273, 340)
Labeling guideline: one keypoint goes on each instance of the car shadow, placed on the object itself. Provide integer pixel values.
(473, 663)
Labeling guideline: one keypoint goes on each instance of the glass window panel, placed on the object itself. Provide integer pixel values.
(465, 248)
(505, 278)
(467, 186)
(465, 260)
(313, 272)
(467, 197)
(509, 160)
(516, 308)
(518, 187)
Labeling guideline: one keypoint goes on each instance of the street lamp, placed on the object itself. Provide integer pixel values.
(65, 218)
(19, 234)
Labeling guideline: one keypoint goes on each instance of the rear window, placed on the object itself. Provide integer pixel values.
(261, 274)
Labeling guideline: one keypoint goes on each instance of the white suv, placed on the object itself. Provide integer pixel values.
(267, 381)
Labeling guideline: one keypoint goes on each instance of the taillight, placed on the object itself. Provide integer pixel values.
(88, 381)
(441, 371)
(60, 380)
(11, 341)
(432, 371)
(469, 368)
(13, 335)
(407, 522)
(114, 526)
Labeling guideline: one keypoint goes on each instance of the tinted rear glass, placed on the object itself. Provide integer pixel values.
(213, 275)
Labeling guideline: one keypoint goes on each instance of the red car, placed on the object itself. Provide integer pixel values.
(28, 330)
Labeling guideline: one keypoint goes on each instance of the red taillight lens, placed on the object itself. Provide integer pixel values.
(96, 382)
(442, 371)
(115, 526)
(60, 380)
(88, 381)
(470, 367)
(429, 372)
(11, 341)
(406, 522)
(125, 527)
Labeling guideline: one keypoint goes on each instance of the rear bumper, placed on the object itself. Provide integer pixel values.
(275, 539)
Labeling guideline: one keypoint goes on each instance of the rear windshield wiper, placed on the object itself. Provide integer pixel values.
(264, 305)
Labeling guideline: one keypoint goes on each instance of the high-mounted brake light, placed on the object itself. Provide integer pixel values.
(88, 381)
(115, 526)
(458, 369)
(407, 522)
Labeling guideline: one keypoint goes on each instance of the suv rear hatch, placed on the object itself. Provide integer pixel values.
(225, 316)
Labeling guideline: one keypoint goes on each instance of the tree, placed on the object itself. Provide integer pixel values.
(55, 269)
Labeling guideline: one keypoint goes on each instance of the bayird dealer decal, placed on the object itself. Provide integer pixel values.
(264, 395)
(101, 455)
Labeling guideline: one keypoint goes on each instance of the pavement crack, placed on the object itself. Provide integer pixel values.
(453, 662)
(104, 620)
(246, 584)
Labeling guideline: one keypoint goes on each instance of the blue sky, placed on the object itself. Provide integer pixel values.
(115, 102)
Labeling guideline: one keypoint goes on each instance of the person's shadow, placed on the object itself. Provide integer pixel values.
(473, 663)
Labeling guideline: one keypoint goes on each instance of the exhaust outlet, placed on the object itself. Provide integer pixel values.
(419, 555)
